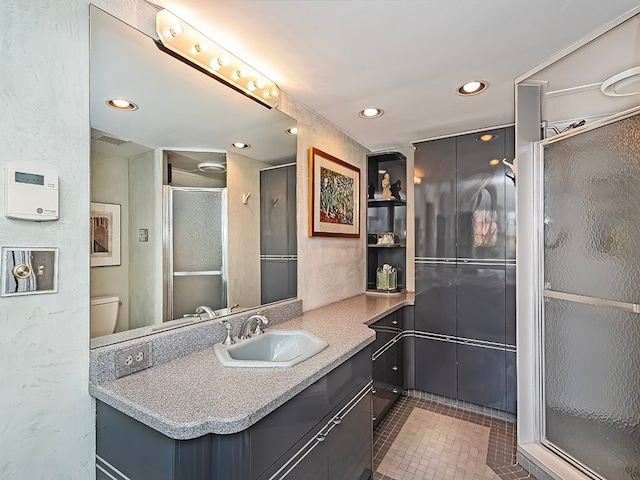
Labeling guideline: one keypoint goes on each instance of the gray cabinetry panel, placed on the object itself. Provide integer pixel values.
(435, 198)
(510, 305)
(482, 376)
(349, 457)
(465, 268)
(278, 279)
(481, 303)
(275, 223)
(436, 367)
(481, 196)
(388, 376)
(435, 309)
(512, 383)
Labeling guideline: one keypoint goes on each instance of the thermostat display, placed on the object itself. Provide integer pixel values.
(30, 194)
(32, 178)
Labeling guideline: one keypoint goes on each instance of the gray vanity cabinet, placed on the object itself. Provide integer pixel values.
(322, 433)
(388, 376)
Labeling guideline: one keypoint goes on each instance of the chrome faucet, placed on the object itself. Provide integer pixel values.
(245, 330)
(202, 309)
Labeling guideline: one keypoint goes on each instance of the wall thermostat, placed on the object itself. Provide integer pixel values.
(30, 194)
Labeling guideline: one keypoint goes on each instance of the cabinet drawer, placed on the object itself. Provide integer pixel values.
(393, 320)
(382, 338)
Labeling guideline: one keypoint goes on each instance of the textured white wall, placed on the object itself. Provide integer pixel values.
(329, 269)
(145, 258)
(243, 248)
(46, 419)
(110, 184)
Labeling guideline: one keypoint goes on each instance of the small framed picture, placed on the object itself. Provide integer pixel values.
(105, 234)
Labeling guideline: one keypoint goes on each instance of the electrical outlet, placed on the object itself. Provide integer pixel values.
(133, 359)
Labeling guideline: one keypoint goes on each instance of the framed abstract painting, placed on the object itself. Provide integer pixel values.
(334, 196)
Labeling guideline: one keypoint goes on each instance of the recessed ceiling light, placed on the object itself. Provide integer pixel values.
(487, 137)
(291, 131)
(212, 167)
(121, 104)
(371, 112)
(473, 87)
(241, 145)
(622, 84)
(493, 162)
(382, 172)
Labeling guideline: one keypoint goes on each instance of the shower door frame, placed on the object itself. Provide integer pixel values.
(541, 292)
(167, 246)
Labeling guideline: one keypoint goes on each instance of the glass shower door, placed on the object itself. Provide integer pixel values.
(195, 249)
(591, 321)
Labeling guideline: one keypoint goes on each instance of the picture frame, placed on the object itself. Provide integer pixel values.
(334, 196)
(105, 234)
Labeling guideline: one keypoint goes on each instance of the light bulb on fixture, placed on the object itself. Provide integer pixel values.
(173, 31)
(251, 85)
(487, 137)
(121, 104)
(371, 112)
(224, 60)
(472, 88)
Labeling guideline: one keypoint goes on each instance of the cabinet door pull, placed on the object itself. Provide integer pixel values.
(336, 421)
(395, 322)
(321, 438)
(394, 368)
(373, 390)
(373, 417)
(395, 390)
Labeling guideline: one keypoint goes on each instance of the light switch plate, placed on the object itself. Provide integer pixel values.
(28, 271)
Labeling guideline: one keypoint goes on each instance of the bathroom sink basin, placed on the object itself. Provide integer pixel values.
(276, 348)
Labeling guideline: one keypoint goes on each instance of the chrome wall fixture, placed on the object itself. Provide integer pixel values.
(189, 44)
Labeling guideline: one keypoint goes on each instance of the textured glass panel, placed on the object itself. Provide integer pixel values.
(592, 385)
(592, 199)
(191, 292)
(197, 231)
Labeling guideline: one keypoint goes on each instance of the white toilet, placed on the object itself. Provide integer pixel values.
(104, 315)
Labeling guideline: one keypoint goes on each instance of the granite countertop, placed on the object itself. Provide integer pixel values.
(195, 395)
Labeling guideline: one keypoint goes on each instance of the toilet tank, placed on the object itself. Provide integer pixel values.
(104, 315)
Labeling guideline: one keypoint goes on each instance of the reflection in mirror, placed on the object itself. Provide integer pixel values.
(202, 223)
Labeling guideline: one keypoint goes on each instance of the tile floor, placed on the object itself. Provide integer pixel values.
(426, 439)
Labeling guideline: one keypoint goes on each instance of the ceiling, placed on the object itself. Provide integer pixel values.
(405, 56)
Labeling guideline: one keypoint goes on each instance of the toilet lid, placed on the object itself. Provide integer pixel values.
(104, 299)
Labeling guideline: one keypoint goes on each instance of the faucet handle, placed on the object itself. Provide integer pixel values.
(261, 321)
(228, 339)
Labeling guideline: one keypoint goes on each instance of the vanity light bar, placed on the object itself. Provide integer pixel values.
(187, 42)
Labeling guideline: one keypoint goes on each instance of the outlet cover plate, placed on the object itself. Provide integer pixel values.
(133, 359)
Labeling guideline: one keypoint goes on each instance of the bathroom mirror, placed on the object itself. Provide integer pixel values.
(161, 164)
